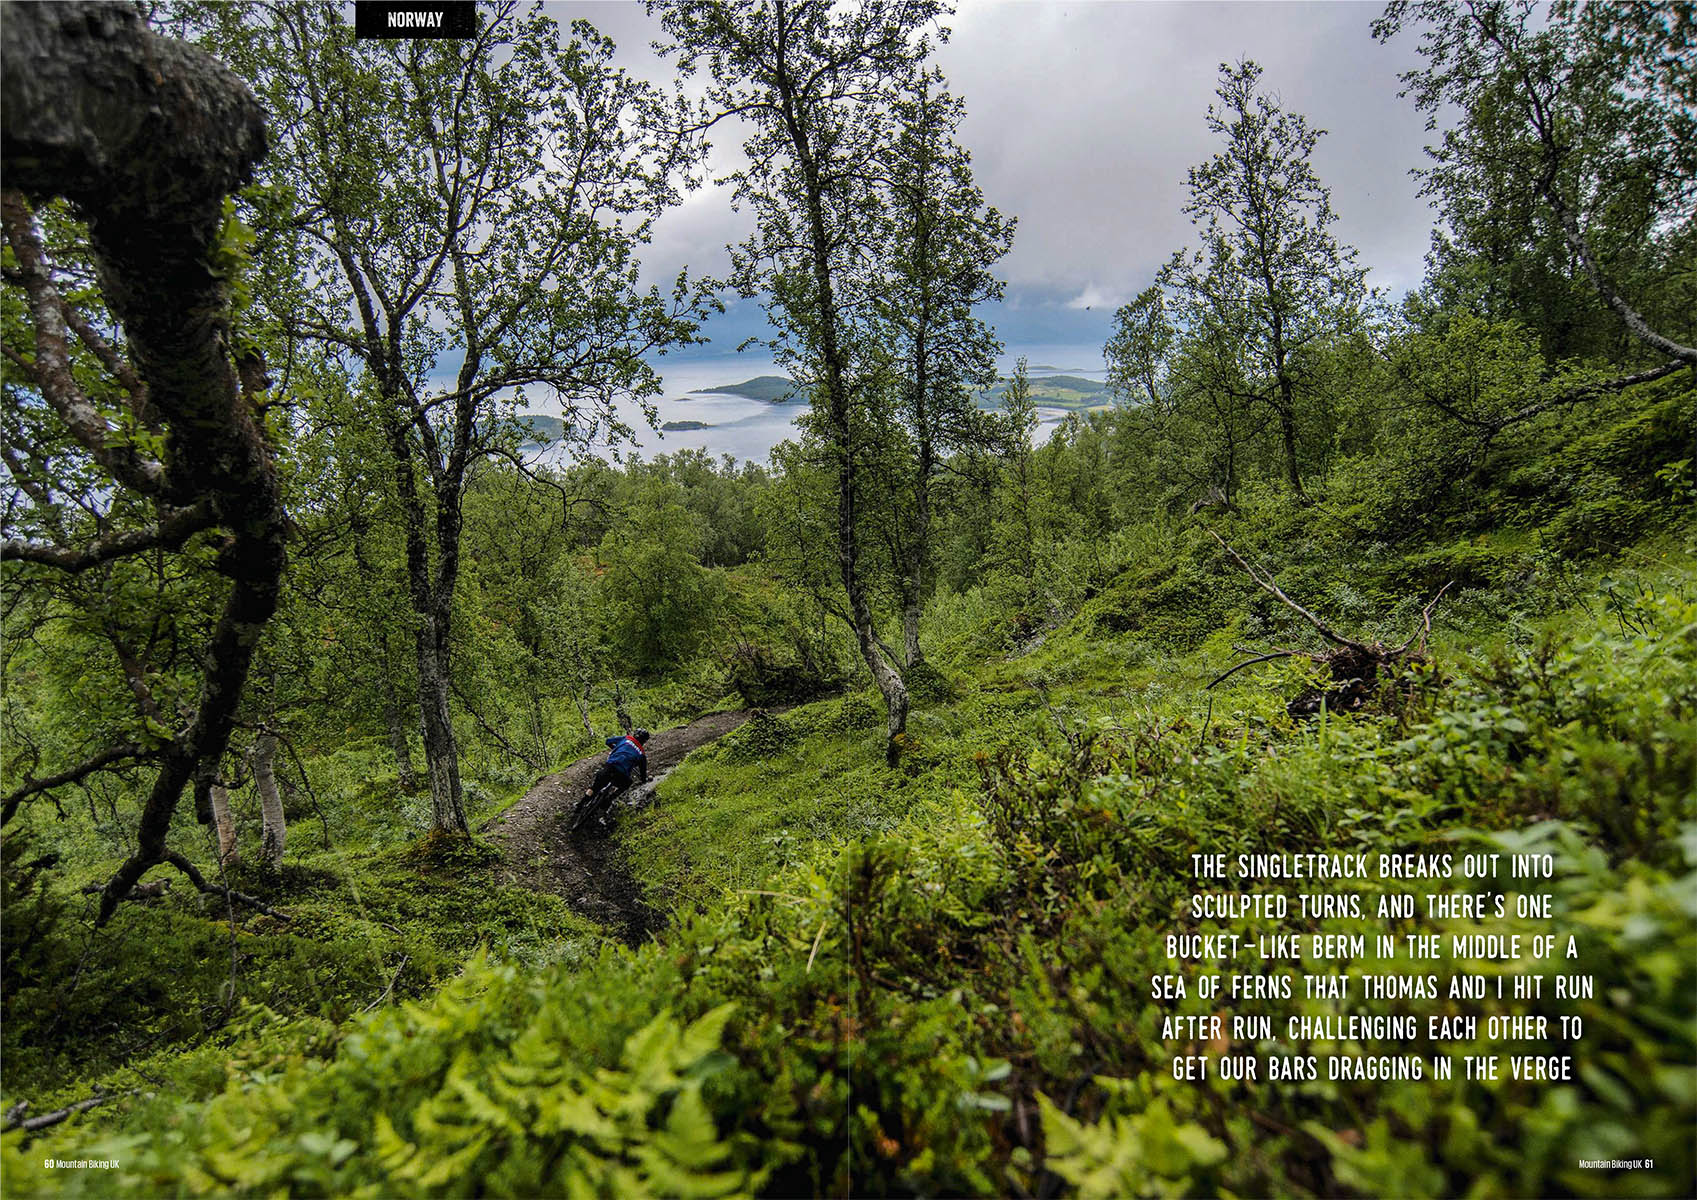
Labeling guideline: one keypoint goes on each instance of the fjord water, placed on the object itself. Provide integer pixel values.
(748, 429)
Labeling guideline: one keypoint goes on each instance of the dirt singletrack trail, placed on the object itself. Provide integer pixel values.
(589, 871)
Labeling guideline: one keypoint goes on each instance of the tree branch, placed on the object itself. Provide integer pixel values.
(177, 526)
(211, 889)
(1250, 662)
(1267, 585)
(526, 759)
(1630, 317)
(46, 1120)
(51, 371)
(128, 750)
(1588, 391)
(1425, 629)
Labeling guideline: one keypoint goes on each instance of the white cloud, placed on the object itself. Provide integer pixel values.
(1093, 297)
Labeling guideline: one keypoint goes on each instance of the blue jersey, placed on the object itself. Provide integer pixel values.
(627, 754)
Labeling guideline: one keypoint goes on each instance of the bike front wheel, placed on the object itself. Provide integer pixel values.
(593, 806)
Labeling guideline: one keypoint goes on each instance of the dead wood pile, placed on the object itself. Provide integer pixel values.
(1355, 669)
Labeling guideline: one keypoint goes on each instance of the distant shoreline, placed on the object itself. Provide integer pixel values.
(769, 389)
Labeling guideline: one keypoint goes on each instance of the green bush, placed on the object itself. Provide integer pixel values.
(927, 685)
(763, 676)
(761, 737)
(1178, 603)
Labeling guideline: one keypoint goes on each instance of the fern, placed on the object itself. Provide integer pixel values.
(1140, 1154)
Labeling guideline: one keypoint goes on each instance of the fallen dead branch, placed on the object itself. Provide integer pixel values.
(1355, 668)
(15, 1115)
(141, 891)
(159, 887)
(393, 980)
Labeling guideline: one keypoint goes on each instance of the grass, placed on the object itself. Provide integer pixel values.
(997, 939)
(765, 797)
(733, 815)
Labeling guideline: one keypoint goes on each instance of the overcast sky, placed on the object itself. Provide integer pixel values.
(1082, 119)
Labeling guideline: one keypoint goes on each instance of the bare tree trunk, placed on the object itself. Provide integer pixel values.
(399, 743)
(912, 653)
(1287, 433)
(538, 726)
(1286, 403)
(272, 830)
(431, 594)
(582, 699)
(581, 696)
(619, 712)
(441, 748)
(890, 686)
(918, 549)
(228, 853)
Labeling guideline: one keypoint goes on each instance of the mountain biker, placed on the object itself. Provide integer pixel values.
(627, 756)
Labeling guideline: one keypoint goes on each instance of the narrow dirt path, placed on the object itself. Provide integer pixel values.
(589, 871)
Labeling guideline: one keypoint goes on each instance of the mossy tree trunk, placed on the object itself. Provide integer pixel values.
(146, 136)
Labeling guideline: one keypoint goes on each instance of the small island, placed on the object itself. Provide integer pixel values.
(773, 389)
(540, 429)
(683, 426)
(1070, 392)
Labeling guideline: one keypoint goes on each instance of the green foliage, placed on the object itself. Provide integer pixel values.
(969, 965)
(1563, 133)
(929, 979)
(1599, 490)
(1143, 1153)
(654, 594)
(761, 676)
(926, 684)
(1179, 603)
(1225, 346)
(760, 738)
(34, 910)
(534, 1081)
(168, 973)
(641, 1130)
(779, 656)
(1474, 563)
(768, 796)
(494, 1101)
(1052, 949)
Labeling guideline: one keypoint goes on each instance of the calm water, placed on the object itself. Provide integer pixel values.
(748, 429)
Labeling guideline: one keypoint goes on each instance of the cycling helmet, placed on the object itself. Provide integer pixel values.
(641, 736)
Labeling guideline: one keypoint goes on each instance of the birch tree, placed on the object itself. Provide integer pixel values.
(944, 242)
(1582, 117)
(815, 84)
(465, 216)
(1269, 274)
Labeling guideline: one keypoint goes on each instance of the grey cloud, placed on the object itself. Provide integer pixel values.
(1082, 120)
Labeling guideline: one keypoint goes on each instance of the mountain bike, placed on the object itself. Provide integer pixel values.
(590, 809)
